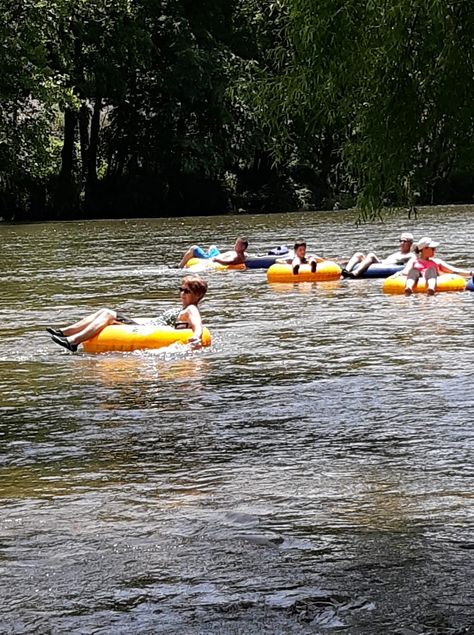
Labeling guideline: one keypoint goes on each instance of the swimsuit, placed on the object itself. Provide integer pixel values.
(123, 319)
(168, 318)
(198, 252)
(423, 265)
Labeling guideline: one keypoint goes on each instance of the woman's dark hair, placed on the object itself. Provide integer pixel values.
(299, 243)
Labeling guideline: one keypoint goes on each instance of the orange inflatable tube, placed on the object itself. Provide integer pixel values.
(444, 282)
(206, 264)
(132, 337)
(325, 270)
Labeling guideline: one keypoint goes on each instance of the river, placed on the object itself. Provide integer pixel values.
(311, 472)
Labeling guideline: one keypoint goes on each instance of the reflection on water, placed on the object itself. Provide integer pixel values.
(147, 367)
(311, 472)
(304, 287)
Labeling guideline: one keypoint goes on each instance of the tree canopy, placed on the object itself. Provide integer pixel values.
(389, 82)
(159, 107)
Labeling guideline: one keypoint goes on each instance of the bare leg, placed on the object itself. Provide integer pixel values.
(412, 277)
(187, 256)
(431, 277)
(90, 327)
(365, 264)
(354, 260)
(77, 327)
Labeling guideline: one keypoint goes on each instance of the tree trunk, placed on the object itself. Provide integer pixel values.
(67, 153)
(84, 135)
(66, 200)
(94, 142)
(91, 164)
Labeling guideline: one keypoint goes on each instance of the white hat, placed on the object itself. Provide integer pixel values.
(426, 242)
(407, 236)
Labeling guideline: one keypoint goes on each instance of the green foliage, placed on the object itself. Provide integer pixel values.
(390, 81)
(314, 103)
(175, 108)
(29, 90)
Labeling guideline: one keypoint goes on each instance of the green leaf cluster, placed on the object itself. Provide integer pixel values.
(390, 82)
(167, 106)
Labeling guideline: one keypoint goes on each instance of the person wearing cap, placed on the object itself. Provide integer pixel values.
(360, 262)
(427, 266)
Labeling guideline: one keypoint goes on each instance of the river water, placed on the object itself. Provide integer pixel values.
(311, 472)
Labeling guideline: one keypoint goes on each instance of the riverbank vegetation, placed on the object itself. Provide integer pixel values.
(157, 108)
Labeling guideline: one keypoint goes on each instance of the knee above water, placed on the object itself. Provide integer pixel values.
(108, 313)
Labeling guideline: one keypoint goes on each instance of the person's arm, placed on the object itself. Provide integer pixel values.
(406, 269)
(406, 258)
(296, 261)
(397, 258)
(193, 318)
(447, 268)
(228, 258)
(408, 264)
(287, 259)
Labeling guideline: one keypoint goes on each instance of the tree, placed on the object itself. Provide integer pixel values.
(172, 122)
(29, 91)
(94, 44)
(391, 80)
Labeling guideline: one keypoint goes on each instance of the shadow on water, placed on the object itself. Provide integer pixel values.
(311, 472)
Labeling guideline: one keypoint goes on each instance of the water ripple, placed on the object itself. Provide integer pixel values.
(312, 471)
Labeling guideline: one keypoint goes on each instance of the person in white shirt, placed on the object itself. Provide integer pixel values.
(360, 262)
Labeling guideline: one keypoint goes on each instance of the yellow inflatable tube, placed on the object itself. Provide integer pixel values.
(444, 282)
(132, 337)
(325, 270)
(204, 264)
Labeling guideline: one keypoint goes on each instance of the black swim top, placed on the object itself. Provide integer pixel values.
(170, 318)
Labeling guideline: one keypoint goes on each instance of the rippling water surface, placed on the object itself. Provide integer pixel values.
(310, 472)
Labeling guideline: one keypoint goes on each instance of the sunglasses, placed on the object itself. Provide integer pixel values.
(184, 290)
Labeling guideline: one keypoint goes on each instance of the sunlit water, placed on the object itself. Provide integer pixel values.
(310, 472)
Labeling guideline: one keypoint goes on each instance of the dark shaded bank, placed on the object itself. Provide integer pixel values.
(261, 190)
(256, 189)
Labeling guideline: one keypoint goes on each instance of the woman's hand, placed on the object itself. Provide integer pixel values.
(195, 343)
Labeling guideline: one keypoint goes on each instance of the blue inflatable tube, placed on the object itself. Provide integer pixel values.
(379, 270)
(261, 262)
(470, 285)
(269, 259)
